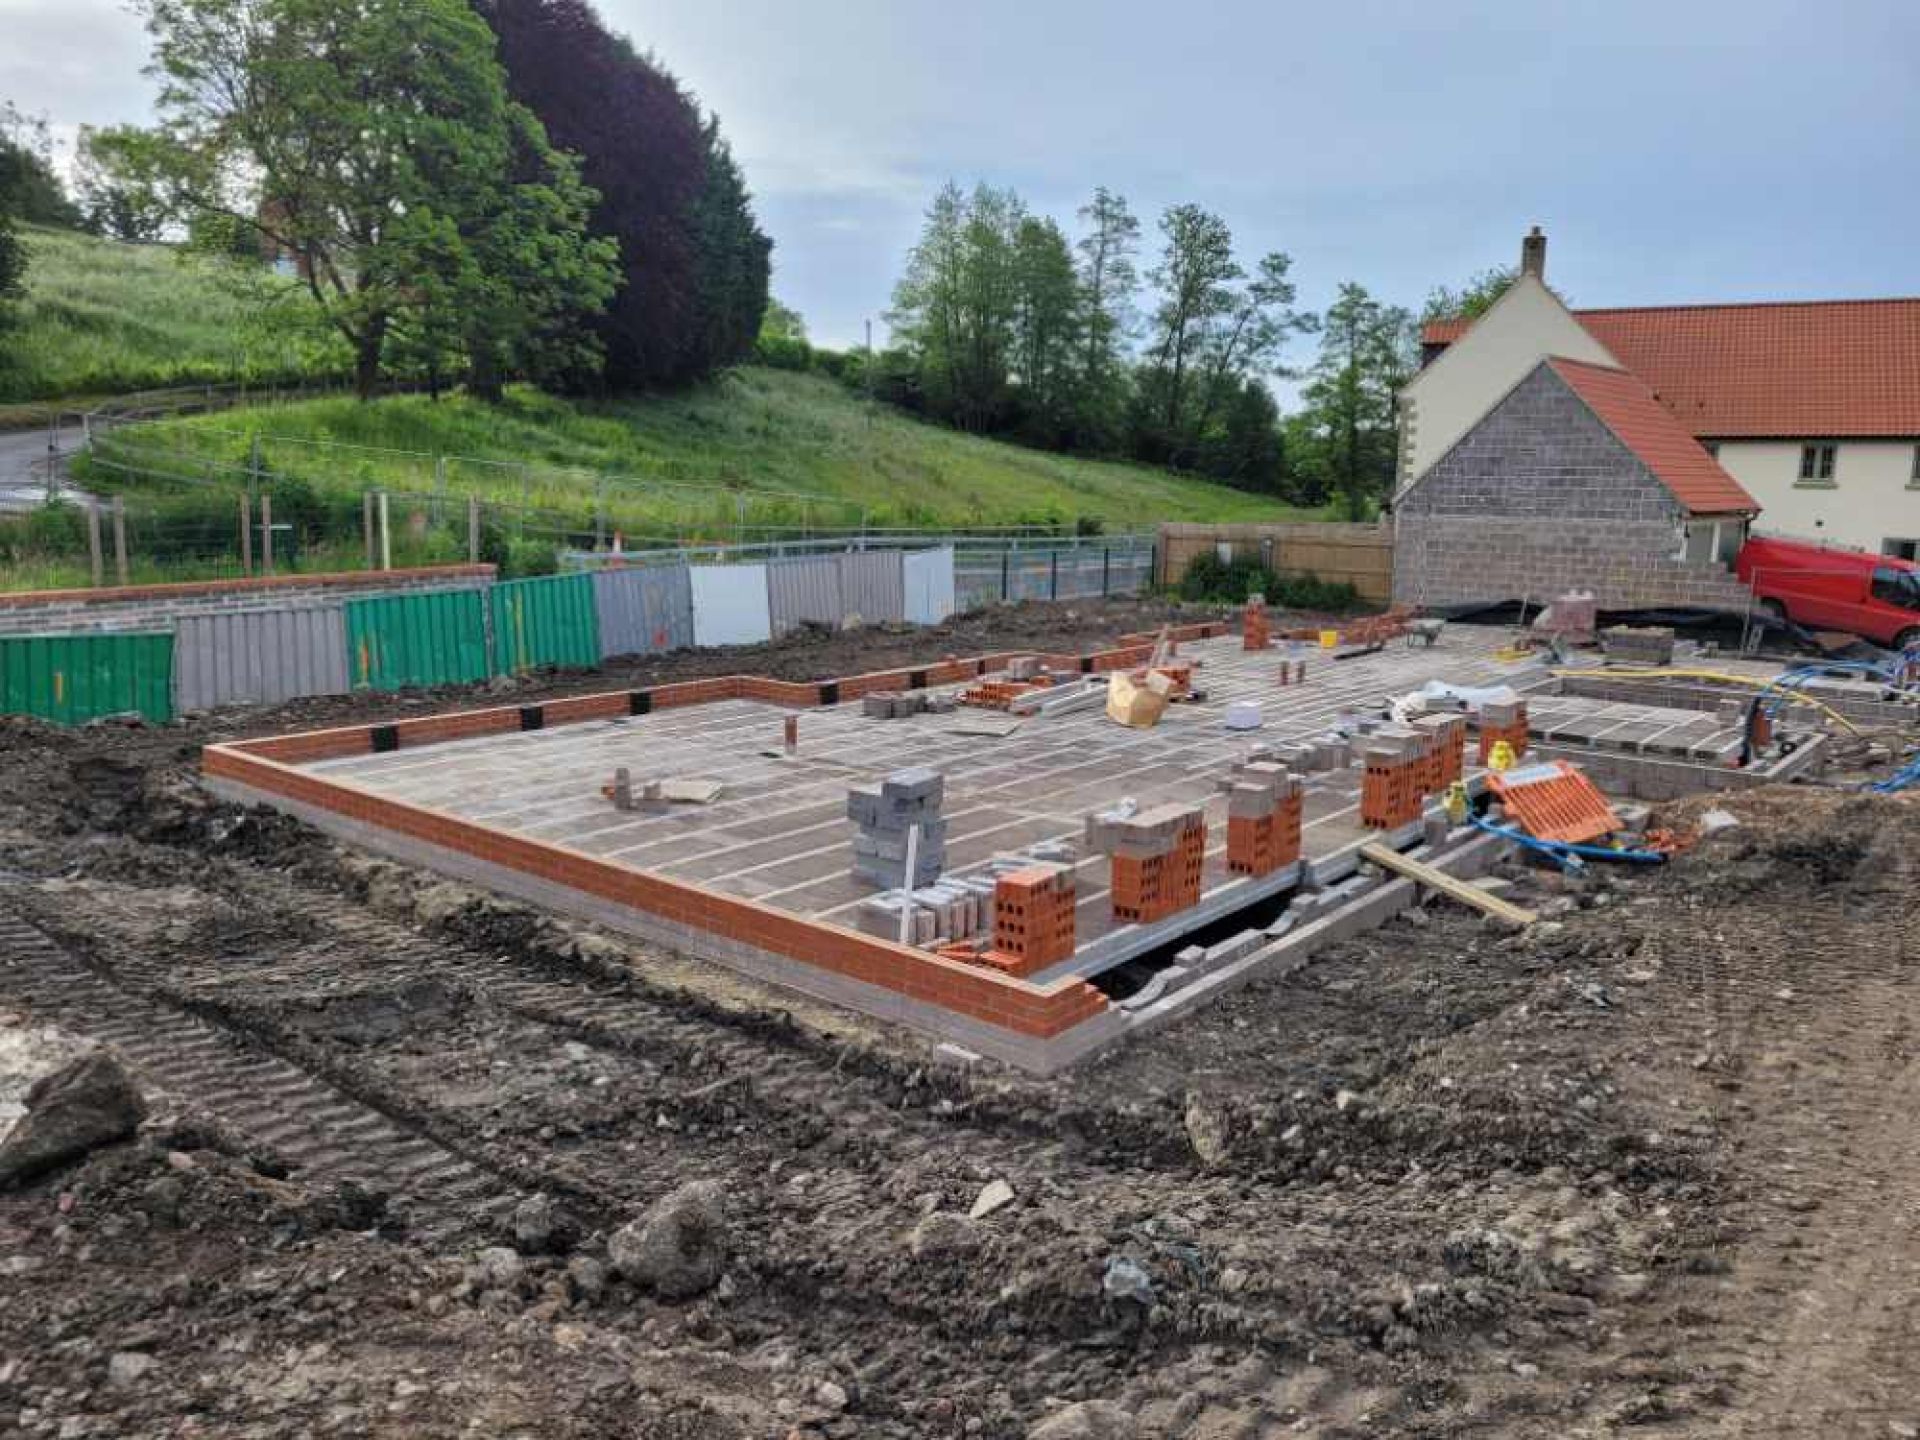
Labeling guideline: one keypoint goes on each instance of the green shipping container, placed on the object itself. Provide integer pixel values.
(438, 637)
(71, 679)
(544, 622)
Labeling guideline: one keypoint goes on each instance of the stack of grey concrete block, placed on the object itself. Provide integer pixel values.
(1256, 788)
(1645, 645)
(897, 704)
(885, 813)
(953, 908)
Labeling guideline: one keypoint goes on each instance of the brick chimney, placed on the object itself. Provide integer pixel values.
(1533, 255)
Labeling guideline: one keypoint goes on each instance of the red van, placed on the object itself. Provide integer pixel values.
(1874, 596)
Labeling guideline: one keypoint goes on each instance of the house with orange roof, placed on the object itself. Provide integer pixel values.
(1630, 451)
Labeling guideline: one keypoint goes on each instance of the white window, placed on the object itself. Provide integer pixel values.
(1816, 463)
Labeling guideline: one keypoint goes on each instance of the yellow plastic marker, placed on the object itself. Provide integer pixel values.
(1501, 758)
(1456, 801)
(1329, 639)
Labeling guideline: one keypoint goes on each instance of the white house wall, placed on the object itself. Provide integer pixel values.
(1445, 400)
(1872, 499)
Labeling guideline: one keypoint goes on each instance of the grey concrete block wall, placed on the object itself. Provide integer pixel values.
(1541, 498)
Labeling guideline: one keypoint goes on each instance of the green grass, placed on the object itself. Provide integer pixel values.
(750, 444)
(103, 318)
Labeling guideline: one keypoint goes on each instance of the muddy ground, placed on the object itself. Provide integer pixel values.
(1649, 1168)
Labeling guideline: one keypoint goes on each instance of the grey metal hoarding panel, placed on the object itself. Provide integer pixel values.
(259, 657)
(803, 588)
(872, 585)
(644, 610)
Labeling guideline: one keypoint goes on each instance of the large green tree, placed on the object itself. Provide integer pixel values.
(955, 309)
(1211, 335)
(1471, 300)
(694, 262)
(1367, 351)
(373, 143)
(30, 186)
(1047, 320)
(1109, 281)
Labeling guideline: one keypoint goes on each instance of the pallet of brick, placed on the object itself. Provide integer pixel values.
(1643, 645)
(886, 813)
(1033, 922)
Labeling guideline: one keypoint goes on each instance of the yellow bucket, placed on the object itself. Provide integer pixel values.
(1329, 639)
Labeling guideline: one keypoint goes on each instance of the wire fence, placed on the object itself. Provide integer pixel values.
(186, 525)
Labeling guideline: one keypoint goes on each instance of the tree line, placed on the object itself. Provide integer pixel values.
(1100, 342)
(467, 192)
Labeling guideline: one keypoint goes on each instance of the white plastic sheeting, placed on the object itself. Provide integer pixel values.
(730, 605)
(927, 576)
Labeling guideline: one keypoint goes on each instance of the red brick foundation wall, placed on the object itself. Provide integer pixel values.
(269, 765)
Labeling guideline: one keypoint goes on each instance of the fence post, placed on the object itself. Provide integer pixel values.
(246, 535)
(439, 488)
(1053, 574)
(599, 512)
(266, 533)
(120, 538)
(1106, 571)
(93, 543)
(386, 534)
(473, 529)
(1006, 565)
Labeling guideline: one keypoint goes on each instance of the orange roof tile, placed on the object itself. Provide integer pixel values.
(1630, 410)
(1801, 369)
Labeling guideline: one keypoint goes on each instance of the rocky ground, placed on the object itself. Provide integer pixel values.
(406, 1160)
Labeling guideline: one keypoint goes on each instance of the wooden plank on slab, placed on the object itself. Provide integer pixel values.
(1471, 896)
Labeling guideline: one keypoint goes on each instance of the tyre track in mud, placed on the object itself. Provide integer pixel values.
(324, 1134)
(322, 946)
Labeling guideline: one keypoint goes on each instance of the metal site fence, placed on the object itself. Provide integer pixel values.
(196, 530)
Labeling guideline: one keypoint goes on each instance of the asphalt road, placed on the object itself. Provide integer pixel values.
(23, 480)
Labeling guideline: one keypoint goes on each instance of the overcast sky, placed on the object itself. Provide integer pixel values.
(1674, 151)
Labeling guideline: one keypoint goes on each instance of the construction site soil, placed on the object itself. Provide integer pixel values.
(1650, 1166)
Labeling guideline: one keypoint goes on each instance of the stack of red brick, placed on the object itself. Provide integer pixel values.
(1503, 720)
(1156, 859)
(1264, 803)
(1032, 919)
(1445, 750)
(1256, 628)
(1393, 783)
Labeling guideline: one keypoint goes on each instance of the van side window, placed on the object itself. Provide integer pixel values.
(1896, 587)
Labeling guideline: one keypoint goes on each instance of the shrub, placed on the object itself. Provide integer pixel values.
(1210, 578)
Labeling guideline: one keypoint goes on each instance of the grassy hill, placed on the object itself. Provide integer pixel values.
(101, 318)
(770, 447)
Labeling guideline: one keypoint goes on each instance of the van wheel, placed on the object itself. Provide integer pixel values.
(1774, 610)
(1907, 638)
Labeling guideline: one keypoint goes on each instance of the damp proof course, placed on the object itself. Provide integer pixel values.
(761, 876)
